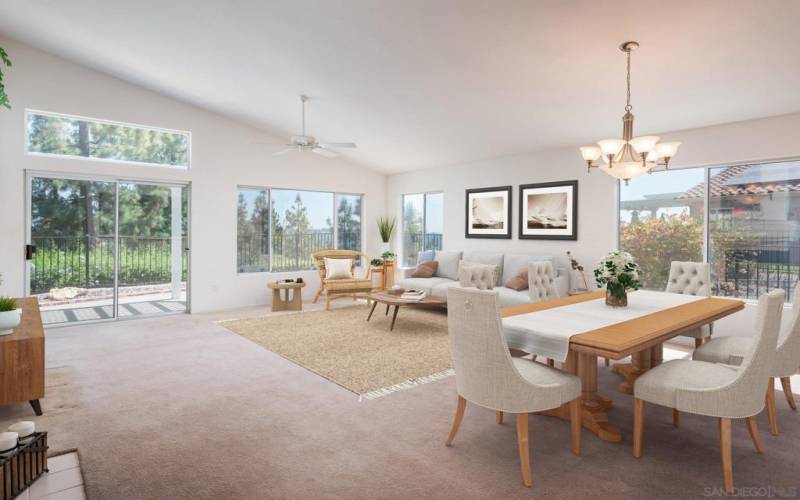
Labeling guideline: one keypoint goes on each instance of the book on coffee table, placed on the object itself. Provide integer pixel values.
(413, 295)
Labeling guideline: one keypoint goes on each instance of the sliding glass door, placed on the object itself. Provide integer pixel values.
(104, 249)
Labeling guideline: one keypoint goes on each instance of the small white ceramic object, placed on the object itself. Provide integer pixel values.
(9, 320)
(24, 428)
(8, 440)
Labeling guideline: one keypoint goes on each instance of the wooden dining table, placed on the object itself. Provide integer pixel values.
(642, 338)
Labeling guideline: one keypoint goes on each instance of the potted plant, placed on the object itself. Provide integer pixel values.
(386, 228)
(388, 256)
(376, 262)
(618, 273)
(10, 316)
(4, 102)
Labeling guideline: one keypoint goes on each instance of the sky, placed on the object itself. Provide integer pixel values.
(661, 182)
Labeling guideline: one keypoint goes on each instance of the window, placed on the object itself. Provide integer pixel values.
(423, 224)
(753, 230)
(279, 229)
(72, 136)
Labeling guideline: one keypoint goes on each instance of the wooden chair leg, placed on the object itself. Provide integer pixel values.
(786, 382)
(575, 424)
(524, 448)
(725, 452)
(551, 362)
(498, 417)
(638, 426)
(773, 419)
(676, 418)
(462, 403)
(316, 297)
(752, 427)
(327, 302)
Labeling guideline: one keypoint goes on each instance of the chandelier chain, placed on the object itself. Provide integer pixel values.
(628, 106)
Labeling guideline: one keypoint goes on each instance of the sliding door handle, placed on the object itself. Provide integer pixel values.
(29, 251)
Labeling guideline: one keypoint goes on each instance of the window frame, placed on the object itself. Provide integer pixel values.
(706, 201)
(424, 216)
(28, 152)
(270, 229)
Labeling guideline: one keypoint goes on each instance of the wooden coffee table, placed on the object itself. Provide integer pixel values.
(392, 299)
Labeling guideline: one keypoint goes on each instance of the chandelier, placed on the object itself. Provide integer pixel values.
(630, 156)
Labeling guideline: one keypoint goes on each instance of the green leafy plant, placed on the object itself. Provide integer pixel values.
(618, 273)
(386, 228)
(376, 262)
(3, 96)
(388, 255)
(7, 304)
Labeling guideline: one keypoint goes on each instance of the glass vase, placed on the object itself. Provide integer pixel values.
(616, 295)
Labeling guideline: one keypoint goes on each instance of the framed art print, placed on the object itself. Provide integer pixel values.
(488, 213)
(549, 211)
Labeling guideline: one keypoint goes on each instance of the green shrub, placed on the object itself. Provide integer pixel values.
(7, 304)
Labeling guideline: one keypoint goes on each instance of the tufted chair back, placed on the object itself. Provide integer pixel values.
(541, 281)
(478, 276)
(788, 357)
(689, 278)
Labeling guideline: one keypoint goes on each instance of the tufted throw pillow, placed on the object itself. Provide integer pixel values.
(519, 281)
(338, 268)
(478, 276)
(425, 269)
(493, 269)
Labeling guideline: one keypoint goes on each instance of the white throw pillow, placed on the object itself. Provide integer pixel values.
(338, 268)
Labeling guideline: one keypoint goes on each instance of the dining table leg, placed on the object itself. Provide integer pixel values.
(640, 362)
(595, 407)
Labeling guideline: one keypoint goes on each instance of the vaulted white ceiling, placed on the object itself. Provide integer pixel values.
(419, 83)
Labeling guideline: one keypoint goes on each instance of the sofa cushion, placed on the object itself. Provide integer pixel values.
(507, 297)
(490, 258)
(440, 290)
(480, 276)
(514, 263)
(425, 256)
(425, 269)
(519, 281)
(448, 264)
(422, 283)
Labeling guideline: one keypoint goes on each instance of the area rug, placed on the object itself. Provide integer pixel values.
(363, 357)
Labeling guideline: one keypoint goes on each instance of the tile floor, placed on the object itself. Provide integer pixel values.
(63, 482)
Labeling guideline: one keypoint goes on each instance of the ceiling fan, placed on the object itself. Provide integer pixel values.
(304, 143)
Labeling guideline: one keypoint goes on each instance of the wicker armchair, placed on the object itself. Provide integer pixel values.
(342, 287)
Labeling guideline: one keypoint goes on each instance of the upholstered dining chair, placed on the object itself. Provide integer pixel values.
(714, 389)
(692, 278)
(488, 376)
(541, 281)
(732, 351)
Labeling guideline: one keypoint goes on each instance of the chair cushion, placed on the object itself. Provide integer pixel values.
(519, 281)
(338, 268)
(422, 283)
(661, 384)
(448, 264)
(489, 258)
(727, 350)
(539, 374)
(425, 269)
(514, 263)
(354, 284)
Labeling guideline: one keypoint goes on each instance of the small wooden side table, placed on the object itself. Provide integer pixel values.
(389, 267)
(285, 303)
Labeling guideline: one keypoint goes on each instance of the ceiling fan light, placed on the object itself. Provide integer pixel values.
(667, 149)
(611, 146)
(645, 143)
(590, 153)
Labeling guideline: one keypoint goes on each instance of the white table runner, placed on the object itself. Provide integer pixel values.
(547, 333)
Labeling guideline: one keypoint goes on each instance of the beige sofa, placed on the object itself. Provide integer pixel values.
(509, 264)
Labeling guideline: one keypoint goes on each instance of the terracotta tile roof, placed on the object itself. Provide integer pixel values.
(719, 185)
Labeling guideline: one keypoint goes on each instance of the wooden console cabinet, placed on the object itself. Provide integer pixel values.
(22, 359)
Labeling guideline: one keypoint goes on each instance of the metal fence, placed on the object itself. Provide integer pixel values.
(748, 271)
(290, 251)
(88, 261)
(414, 243)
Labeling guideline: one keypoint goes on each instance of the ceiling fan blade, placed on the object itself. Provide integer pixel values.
(338, 145)
(287, 150)
(324, 152)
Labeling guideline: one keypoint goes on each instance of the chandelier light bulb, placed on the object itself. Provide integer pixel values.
(645, 143)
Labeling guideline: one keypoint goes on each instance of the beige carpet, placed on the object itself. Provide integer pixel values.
(364, 357)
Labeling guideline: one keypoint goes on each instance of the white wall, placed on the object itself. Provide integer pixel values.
(770, 138)
(223, 156)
